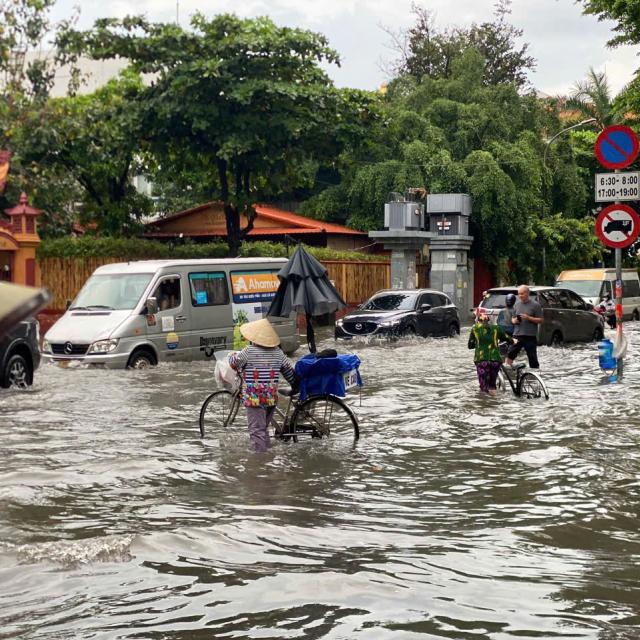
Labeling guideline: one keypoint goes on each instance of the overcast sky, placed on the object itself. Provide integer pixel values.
(564, 42)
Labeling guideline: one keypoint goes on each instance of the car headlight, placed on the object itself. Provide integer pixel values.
(391, 323)
(103, 346)
(46, 347)
(339, 322)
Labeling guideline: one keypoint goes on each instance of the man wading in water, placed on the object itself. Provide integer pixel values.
(527, 315)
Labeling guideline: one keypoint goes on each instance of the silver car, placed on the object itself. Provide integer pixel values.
(567, 317)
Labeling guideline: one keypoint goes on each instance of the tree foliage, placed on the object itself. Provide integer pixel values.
(626, 13)
(429, 52)
(95, 140)
(244, 98)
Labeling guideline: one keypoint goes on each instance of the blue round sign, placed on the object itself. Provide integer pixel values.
(616, 147)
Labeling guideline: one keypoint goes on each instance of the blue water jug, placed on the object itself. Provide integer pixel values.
(605, 357)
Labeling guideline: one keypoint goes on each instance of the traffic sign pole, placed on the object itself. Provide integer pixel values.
(617, 147)
(618, 293)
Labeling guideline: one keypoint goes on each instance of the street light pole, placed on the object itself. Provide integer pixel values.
(544, 164)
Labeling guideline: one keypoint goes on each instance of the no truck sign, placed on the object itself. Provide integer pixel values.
(618, 226)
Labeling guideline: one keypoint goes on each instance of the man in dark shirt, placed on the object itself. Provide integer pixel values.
(527, 315)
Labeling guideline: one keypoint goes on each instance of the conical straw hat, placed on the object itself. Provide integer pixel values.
(260, 332)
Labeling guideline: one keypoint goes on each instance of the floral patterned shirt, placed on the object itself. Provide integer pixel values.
(486, 339)
(261, 368)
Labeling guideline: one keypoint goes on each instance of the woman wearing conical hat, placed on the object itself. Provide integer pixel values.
(260, 365)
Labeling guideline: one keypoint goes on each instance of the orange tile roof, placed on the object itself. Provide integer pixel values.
(290, 222)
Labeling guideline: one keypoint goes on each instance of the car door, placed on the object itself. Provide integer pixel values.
(583, 318)
(169, 329)
(429, 320)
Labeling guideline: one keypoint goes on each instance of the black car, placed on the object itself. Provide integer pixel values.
(20, 355)
(423, 312)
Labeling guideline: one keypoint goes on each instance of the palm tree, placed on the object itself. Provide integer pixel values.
(592, 99)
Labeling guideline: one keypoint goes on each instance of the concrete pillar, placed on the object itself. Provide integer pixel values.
(403, 268)
(450, 270)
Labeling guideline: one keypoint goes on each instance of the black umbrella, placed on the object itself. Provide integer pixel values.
(305, 288)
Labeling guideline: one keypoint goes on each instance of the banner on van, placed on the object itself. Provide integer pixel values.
(252, 292)
(254, 286)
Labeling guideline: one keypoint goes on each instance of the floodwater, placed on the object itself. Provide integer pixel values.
(454, 516)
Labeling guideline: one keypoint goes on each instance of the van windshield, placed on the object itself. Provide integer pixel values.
(585, 288)
(112, 291)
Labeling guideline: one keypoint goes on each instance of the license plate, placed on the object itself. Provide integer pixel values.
(350, 379)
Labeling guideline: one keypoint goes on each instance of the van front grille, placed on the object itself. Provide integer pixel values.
(69, 349)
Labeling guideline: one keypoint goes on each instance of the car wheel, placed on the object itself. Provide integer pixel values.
(408, 332)
(17, 373)
(598, 334)
(556, 339)
(141, 359)
(635, 315)
(454, 330)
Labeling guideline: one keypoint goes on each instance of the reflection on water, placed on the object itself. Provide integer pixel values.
(455, 516)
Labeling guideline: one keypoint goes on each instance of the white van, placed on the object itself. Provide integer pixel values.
(136, 314)
(595, 284)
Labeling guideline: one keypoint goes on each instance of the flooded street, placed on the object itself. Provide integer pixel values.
(454, 516)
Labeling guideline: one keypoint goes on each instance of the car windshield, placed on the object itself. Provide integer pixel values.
(495, 300)
(112, 291)
(390, 302)
(587, 288)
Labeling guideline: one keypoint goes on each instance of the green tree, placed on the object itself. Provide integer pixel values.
(592, 98)
(244, 96)
(95, 140)
(427, 52)
(626, 13)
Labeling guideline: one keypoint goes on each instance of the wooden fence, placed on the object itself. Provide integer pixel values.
(355, 281)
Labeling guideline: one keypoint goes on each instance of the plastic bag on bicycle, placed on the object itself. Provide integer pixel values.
(323, 376)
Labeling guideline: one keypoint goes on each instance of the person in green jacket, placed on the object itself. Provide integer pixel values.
(485, 338)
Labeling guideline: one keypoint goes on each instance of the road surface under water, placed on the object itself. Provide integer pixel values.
(454, 516)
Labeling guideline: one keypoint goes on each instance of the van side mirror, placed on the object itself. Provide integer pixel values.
(425, 307)
(67, 304)
(151, 306)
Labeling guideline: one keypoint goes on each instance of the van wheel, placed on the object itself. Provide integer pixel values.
(556, 339)
(141, 359)
(598, 334)
(17, 373)
(635, 316)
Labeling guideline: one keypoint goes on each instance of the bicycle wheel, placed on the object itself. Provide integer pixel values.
(219, 411)
(531, 385)
(325, 417)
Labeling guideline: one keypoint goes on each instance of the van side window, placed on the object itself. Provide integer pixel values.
(208, 288)
(606, 290)
(630, 288)
(167, 293)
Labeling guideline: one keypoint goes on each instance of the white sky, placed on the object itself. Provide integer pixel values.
(564, 42)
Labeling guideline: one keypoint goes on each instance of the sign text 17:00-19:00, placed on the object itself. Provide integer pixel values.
(617, 186)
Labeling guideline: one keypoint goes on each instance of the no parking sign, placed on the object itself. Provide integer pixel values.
(616, 147)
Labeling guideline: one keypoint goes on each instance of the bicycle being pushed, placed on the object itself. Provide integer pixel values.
(524, 384)
(317, 416)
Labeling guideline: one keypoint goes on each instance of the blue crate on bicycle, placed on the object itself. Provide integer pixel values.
(323, 376)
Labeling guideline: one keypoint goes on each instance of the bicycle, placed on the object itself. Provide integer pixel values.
(526, 384)
(325, 416)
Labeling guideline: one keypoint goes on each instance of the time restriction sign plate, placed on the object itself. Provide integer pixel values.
(617, 186)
